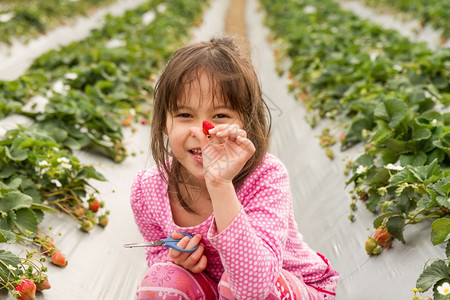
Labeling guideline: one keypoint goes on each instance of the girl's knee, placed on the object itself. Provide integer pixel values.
(171, 281)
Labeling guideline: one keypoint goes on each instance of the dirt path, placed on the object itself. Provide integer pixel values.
(235, 24)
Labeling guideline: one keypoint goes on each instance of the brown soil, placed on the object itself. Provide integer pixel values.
(235, 25)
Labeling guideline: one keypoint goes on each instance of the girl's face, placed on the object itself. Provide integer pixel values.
(198, 103)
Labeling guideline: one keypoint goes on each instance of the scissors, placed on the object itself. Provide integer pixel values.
(167, 242)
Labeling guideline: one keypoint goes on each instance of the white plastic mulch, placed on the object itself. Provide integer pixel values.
(100, 268)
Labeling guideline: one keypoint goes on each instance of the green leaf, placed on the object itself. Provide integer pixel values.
(8, 259)
(401, 177)
(26, 222)
(432, 274)
(427, 173)
(16, 155)
(372, 202)
(441, 229)
(7, 236)
(7, 171)
(380, 219)
(382, 133)
(42, 207)
(414, 160)
(15, 200)
(7, 223)
(393, 111)
(396, 226)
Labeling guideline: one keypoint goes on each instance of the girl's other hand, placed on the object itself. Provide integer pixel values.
(193, 261)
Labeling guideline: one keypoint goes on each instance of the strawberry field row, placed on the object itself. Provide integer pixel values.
(433, 12)
(388, 93)
(24, 19)
(78, 98)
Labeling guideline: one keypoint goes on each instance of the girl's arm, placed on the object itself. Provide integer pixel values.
(251, 246)
(145, 220)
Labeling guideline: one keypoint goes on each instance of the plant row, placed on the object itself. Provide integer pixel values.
(387, 93)
(433, 12)
(23, 20)
(78, 97)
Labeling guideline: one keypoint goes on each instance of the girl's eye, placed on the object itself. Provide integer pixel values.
(220, 116)
(183, 115)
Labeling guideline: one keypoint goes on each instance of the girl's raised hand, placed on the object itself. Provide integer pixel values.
(225, 153)
(193, 261)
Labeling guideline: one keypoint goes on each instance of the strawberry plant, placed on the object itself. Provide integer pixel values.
(23, 20)
(434, 12)
(385, 92)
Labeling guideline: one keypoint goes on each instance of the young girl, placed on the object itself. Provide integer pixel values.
(222, 188)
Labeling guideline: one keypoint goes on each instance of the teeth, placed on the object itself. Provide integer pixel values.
(197, 152)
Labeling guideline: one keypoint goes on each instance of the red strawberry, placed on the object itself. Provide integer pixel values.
(94, 205)
(207, 126)
(383, 237)
(59, 259)
(27, 290)
(44, 285)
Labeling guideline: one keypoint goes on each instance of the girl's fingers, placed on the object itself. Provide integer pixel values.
(194, 257)
(245, 144)
(229, 132)
(200, 266)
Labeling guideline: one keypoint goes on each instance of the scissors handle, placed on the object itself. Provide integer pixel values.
(172, 243)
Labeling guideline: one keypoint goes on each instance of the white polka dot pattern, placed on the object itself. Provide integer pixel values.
(262, 239)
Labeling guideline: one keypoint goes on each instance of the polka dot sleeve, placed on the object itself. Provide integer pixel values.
(251, 247)
(145, 221)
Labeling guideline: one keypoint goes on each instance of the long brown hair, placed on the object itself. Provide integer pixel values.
(230, 73)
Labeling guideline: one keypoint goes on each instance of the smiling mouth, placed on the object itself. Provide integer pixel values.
(196, 152)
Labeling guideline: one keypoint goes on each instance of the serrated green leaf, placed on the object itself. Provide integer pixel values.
(401, 177)
(9, 259)
(432, 274)
(380, 219)
(426, 173)
(14, 200)
(441, 229)
(382, 133)
(26, 222)
(396, 226)
(414, 160)
(393, 111)
(7, 236)
(443, 201)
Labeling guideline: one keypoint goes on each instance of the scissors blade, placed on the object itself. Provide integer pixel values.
(145, 244)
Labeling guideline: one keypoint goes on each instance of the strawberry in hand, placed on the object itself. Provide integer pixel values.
(206, 126)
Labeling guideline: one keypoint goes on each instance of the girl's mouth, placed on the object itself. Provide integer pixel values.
(196, 152)
(197, 155)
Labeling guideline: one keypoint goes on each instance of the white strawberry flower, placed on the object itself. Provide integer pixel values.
(444, 289)
(148, 17)
(6, 17)
(114, 43)
(56, 182)
(36, 104)
(71, 76)
(64, 163)
(361, 170)
(393, 167)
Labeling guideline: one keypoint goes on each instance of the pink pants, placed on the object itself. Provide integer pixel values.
(166, 280)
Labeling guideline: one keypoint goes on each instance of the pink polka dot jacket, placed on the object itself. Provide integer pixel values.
(262, 239)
